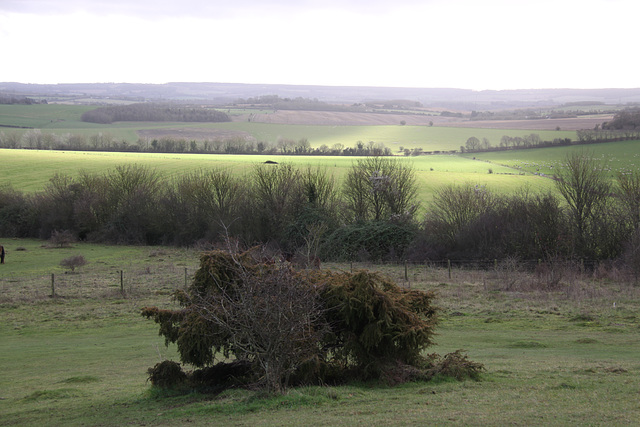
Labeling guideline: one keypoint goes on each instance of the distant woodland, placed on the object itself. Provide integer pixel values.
(153, 113)
(23, 100)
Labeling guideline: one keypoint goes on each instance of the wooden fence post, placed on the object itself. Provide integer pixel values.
(53, 286)
(449, 267)
(122, 282)
(185, 277)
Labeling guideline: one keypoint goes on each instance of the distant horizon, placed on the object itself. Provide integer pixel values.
(319, 85)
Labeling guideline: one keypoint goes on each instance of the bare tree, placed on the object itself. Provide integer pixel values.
(583, 184)
(270, 315)
(628, 191)
(455, 206)
(62, 238)
(379, 188)
(472, 143)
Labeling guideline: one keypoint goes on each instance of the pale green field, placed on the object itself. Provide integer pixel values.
(30, 170)
(393, 137)
(65, 119)
(561, 357)
(616, 156)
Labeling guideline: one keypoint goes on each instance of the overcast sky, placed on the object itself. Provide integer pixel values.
(471, 44)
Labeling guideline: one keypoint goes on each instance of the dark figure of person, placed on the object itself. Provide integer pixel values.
(1, 254)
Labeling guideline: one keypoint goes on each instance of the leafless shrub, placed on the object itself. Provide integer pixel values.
(270, 316)
(548, 274)
(62, 238)
(507, 273)
(73, 262)
(585, 187)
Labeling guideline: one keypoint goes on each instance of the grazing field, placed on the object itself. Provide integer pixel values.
(422, 118)
(619, 156)
(554, 355)
(30, 170)
(327, 129)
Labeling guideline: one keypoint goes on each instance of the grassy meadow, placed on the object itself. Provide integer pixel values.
(555, 356)
(618, 156)
(65, 119)
(30, 170)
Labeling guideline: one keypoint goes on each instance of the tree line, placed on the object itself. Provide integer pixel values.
(628, 119)
(153, 113)
(104, 141)
(533, 140)
(22, 100)
(625, 126)
(297, 104)
(374, 214)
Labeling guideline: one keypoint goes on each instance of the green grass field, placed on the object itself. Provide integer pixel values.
(65, 119)
(565, 356)
(616, 156)
(30, 170)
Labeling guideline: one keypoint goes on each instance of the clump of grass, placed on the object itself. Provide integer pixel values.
(62, 393)
(454, 365)
(615, 370)
(583, 317)
(587, 341)
(527, 344)
(81, 379)
(565, 386)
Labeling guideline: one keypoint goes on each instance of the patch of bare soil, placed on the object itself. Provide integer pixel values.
(335, 118)
(197, 134)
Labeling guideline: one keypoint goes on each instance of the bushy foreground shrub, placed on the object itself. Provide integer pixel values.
(285, 326)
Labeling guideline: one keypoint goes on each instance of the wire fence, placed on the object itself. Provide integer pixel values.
(165, 280)
(101, 284)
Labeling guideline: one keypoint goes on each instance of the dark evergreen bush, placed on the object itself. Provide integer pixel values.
(167, 374)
